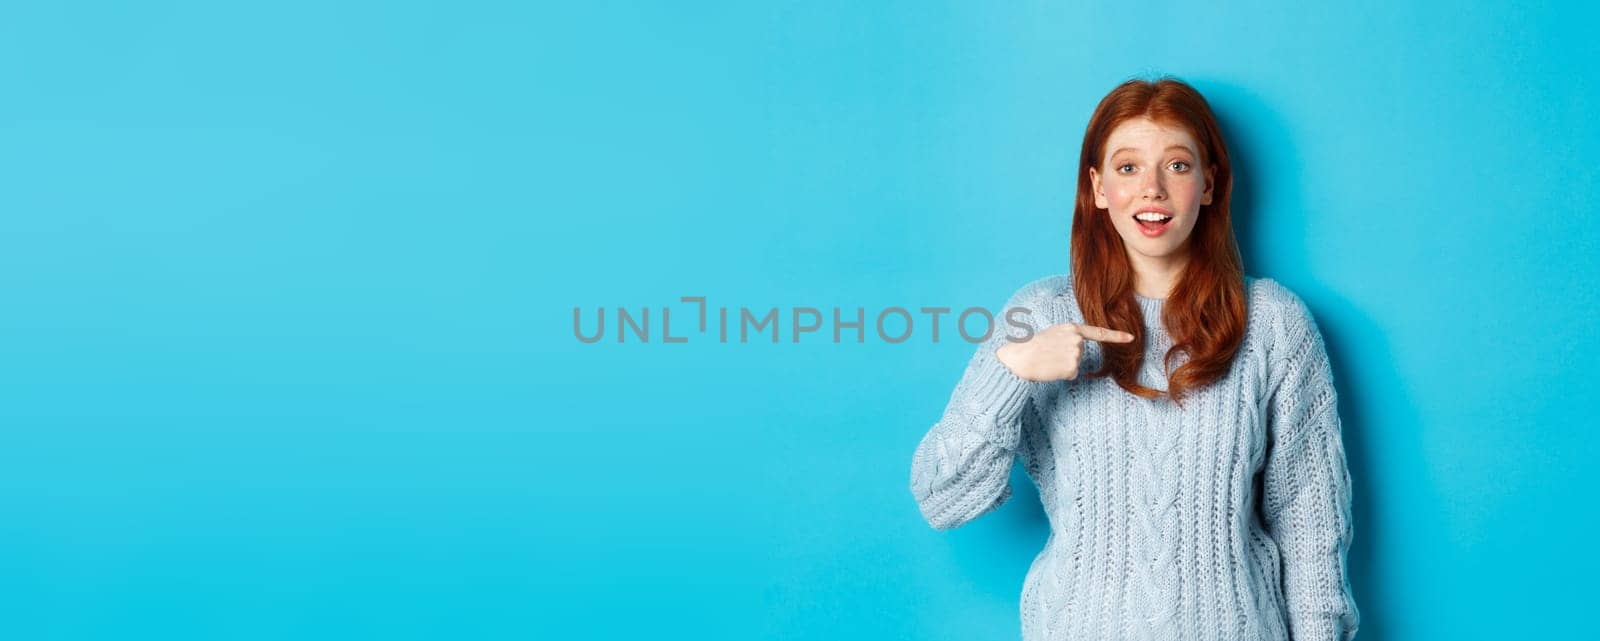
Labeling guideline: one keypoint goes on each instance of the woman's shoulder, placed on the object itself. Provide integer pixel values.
(1042, 289)
(1274, 299)
(1047, 299)
(1278, 314)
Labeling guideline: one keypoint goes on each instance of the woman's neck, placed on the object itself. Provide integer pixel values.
(1155, 277)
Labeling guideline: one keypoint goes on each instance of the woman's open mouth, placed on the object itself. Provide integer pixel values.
(1152, 224)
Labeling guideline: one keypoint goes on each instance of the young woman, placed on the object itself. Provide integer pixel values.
(1178, 417)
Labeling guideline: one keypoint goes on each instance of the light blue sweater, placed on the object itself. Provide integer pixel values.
(1226, 520)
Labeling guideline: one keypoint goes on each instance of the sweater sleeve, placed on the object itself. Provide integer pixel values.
(962, 466)
(1306, 496)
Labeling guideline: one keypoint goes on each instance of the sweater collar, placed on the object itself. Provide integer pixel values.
(1151, 309)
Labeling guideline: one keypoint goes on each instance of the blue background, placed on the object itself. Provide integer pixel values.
(286, 345)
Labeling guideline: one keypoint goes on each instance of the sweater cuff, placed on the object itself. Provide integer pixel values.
(1319, 627)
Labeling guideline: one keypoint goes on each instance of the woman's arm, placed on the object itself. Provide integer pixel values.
(1306, 501)
(962, 466)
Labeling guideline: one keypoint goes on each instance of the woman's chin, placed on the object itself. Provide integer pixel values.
(1160, 248)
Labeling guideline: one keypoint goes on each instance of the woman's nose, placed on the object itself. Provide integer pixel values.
(1153, 187)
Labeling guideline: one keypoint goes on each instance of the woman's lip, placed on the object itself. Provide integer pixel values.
(1152, 233)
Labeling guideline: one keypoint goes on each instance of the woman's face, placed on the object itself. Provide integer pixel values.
(1150, 167)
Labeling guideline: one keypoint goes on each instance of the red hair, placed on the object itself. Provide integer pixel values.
(1205, 312)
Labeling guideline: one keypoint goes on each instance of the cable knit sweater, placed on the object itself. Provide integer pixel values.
(1227, 519)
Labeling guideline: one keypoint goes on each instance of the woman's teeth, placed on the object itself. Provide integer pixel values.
(1152, 224)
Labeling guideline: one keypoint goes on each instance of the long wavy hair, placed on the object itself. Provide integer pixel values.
(1205, 312)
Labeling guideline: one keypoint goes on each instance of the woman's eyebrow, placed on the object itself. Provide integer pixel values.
(1170, 148)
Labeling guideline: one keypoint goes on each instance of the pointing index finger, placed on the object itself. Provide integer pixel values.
(1102, 334)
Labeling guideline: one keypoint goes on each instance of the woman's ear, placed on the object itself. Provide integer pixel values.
(1211, 174)
(1099, 196)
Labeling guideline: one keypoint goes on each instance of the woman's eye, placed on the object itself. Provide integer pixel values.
(1180, 166)
(1123, 166)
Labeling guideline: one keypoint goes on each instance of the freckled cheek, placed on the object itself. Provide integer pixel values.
(1121, 197)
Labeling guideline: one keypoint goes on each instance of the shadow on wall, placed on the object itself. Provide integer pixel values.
(1363, 365)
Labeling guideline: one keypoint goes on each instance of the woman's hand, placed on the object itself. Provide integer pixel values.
(1054, 353)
